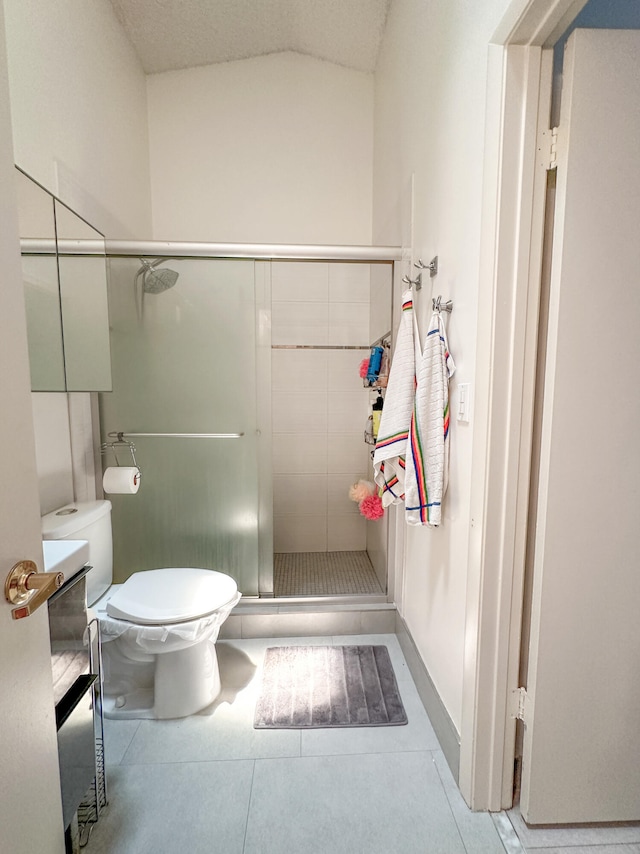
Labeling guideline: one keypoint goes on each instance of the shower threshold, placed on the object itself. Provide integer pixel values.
(316, 594)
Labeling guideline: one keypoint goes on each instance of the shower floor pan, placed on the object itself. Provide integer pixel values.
(324, 574)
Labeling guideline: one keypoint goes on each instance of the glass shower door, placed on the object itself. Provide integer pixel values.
(184, 362)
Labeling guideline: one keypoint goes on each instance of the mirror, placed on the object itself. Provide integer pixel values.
(83, 300)
(65, 281)
(40, 277)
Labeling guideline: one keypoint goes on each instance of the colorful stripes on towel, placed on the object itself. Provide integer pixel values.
(393, 433)
(390, 440)
(393, 487)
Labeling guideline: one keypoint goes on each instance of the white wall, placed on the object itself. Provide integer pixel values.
(272, 149)
(53, 449)
(78, 103)
(319, 405)
(429, 119)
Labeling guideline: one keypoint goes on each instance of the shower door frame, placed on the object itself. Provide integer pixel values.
(267, 252)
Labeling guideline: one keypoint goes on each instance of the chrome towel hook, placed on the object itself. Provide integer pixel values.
(432, 266)
(417, 282)
(439, 306)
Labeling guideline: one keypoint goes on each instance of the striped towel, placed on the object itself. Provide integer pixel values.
(428, 447)
(389, 455)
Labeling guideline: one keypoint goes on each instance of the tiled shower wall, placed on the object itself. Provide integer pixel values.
(320, 407)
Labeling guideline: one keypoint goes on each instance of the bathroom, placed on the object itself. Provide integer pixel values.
(152, 163)
(310, 151)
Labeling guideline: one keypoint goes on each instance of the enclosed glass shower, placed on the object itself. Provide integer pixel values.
(191, 350)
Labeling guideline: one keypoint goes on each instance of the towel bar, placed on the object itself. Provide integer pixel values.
(120, 436)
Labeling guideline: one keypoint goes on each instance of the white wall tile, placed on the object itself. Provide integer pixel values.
(299, 323)
(343, 369)
(299, 534)
(347, 533)
(380, 310)
(316, 392)
(338, 500)
(349, 452)
(299, 413)
(300, 453)
(299, 370)
(349, 324)
(295, 494)
(300, 281)
(349, 283)
(347, 411)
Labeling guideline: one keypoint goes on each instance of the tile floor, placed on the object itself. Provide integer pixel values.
(211, 784)
(324, 574)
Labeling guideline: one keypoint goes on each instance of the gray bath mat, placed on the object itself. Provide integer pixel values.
(328, 686)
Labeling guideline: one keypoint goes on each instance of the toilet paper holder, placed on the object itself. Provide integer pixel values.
(120, 444)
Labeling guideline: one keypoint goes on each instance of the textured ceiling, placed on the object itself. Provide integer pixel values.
(171, 34)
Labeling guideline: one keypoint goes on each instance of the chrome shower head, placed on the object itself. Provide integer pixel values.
(156, 281)
(153, 282)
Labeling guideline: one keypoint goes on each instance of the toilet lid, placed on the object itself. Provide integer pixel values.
(175, 595)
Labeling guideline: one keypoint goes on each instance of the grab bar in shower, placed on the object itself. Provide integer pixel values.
(121, 436)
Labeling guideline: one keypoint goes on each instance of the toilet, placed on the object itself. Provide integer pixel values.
(158, 629)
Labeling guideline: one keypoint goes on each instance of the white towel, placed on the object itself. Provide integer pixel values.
(427, 464)
(391, 444)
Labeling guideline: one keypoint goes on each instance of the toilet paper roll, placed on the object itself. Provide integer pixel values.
(121, 479)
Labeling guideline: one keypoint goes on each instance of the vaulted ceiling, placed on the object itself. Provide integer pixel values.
(172, 34)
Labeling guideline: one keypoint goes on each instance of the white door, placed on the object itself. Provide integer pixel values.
(30, 808)
(581, 760)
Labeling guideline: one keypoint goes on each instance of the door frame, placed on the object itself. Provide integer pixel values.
(518, 87)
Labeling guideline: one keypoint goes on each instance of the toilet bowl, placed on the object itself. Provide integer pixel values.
(158, 628)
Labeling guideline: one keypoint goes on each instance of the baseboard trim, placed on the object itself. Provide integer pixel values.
(444, 727)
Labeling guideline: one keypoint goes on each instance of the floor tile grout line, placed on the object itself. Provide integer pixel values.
(448, 799)
(193, 761)
(128, 747)
(349, 755)
(246, 824)
(397, 752)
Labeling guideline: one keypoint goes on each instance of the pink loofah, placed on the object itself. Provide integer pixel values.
(361, 490)
(371, 507)
(364, 368)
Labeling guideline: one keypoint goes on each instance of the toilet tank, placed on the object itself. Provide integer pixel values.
(91, 521)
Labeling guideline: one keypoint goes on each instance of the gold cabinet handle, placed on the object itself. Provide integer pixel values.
(28, 588)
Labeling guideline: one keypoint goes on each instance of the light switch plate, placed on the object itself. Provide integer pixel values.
(463, 408)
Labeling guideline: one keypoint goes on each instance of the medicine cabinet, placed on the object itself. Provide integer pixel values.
(65, 284)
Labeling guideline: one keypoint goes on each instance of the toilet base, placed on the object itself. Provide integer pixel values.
(167, 685)
(138, 705)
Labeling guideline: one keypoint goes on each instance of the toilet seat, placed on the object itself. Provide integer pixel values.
(169, 596)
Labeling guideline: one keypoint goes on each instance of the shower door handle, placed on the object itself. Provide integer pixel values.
(120, 436)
